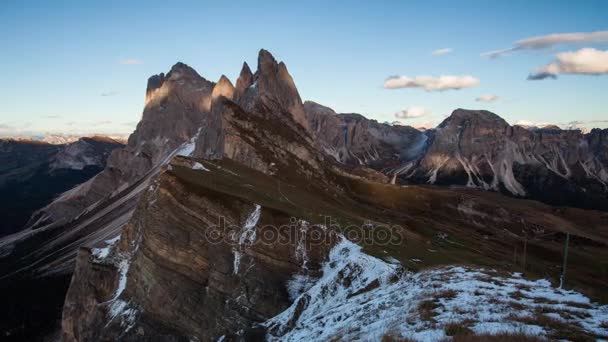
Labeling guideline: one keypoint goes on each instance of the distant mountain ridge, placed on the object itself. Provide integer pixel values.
(33, 173)
(476, 149)
(65, 138)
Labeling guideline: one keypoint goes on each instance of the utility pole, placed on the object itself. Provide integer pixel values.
(562, 277)
(525, 249)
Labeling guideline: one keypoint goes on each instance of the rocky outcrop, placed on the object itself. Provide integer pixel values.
(184, 115)
(352, 139)
(244, 81)
(479, 149)
(189, 265)
(273, 90)
(475, 149)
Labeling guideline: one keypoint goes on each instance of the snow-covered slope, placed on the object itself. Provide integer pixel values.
(360, 296)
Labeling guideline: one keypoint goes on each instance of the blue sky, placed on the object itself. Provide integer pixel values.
(59, 58)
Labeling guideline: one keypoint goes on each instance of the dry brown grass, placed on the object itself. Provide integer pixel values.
(517, 295)
(447, 294)
(392, 338)
(512, 337)
(458, 328)
(516, 306)
(426, 310)
(558, 329)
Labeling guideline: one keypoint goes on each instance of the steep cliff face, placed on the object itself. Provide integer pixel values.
(475, 149)
(191, 264)
(352, 139)
(480, 149)
(176, 106)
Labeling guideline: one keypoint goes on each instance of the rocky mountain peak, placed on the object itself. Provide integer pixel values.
(276, 89)
(245, 79)
(180, 70)
(479, 117)
(266, 60)
(154, 83)
(224, 88)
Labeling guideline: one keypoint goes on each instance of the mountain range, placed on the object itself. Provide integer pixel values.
(168, 242)
(33, 173)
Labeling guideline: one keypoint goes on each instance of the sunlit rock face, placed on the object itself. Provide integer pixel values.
(479, 149)
(476, 149)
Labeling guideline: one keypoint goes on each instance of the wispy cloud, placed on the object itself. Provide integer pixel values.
(130, 123)
(574, 124)
(430, 83)
(551, 40)
(6, 127)
(412, 112)
(443, 51)
(487, 98)
(530, 123)
(587, 61)
(110, 93)
(131, 62)
(51, 116)
(104, 122)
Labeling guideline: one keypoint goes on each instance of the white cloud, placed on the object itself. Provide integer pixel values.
(110, 93)
(587, 61)
(430, 83)
(487, 98)
(529, 123)
(550, 40)
(131, 62)
(412, 112)
(440, 52)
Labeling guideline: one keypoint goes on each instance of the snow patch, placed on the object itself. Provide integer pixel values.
(359, 296)
(102, 253)
(125, 312)
(199, 166)
(187, 148)
(246, 236)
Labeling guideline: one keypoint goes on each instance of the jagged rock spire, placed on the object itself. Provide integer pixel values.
(245, 80)
(275, 83)
(224, 88)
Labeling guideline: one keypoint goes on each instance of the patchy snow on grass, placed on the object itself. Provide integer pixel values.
(364, 298)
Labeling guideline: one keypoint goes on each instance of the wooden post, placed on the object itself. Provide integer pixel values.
(562, 278)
